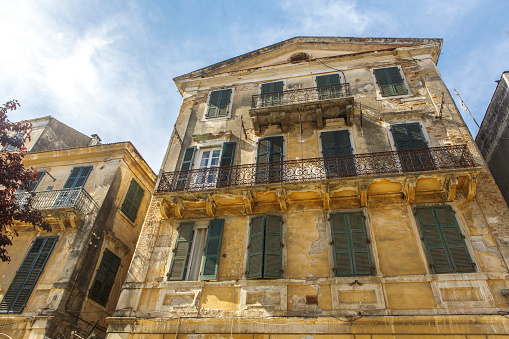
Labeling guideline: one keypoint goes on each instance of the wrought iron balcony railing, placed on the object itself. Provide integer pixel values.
(74, 198)
(298, 96)
(396, 162)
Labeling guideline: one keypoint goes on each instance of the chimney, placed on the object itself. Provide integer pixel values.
(95, 140)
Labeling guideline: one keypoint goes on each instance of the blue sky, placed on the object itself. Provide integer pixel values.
(106, 67)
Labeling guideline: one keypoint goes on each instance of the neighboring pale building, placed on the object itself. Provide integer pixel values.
(95, 198)
(315, 187)
(493, 136)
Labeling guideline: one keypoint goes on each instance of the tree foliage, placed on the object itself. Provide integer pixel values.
(15, 177)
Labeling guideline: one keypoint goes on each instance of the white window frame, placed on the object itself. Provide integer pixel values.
(377, 89)
(229, 115)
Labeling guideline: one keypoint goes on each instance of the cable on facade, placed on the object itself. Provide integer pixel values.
(344, 76)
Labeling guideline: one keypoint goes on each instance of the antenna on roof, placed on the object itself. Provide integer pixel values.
(465, 108)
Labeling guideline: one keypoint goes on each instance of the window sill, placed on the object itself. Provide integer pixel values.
(217, 118)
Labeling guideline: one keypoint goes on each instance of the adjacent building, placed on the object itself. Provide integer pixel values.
(95, 197)
(320, 186)
(493, 136)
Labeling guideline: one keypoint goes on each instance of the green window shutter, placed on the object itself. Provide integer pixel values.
(104, 278)
(219, 102)
(255, 249)
(212, 250)
(26, 277)
(276, 149)
(390, 82)
(35, 183)
(269, 150)
(186, 165)
(227, 154)
(132, 200)
(327, 80)
(352, 255)
(360, 244)
(78, 177)
(272, 266)
(408, 136)
(181, 251)
(272, 87)
(447, 251)
(271, 93)
(263, 152)
(336, 143)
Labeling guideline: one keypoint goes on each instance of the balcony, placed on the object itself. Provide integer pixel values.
(317, 169)
(318, 104)
(65, 207)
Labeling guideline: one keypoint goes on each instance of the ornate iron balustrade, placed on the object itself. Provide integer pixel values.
(72, 198)
(396, 162)
(298, 96)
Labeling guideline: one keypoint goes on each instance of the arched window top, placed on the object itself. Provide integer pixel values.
(298, 57)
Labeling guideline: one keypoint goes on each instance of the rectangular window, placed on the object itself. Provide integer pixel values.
(338, 154)
(271, 94)
(196, 250)
(390, 82)
(104, 278)
(413, 154)
(329, 86)
(68, 197)
(219, 103)
(26, 277)
(269, 159)
(132, 200)
(352, 255)
(35, 183)
(444, 242)
(265, 247)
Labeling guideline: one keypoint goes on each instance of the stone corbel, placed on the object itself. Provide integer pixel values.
(452, 184)
(363, 194)
(72, 220)
(284, 122)
(248, 201)
(319, 118)
(471, 187)
(409, 191)
(164, 208)
(281, 196)
(256, 125)
(61, 221)
(178, 207)
(325, 197)
(210, 205)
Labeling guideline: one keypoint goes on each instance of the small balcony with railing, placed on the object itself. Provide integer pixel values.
(287, 107)
(64, 208)
(442, 170)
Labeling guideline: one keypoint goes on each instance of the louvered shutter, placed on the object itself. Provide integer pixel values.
(272, 87)
(272, 266)
(186, 165)
(276, 158)
(26, 277)
(336, 143)
(132, 200)
(255, 250)
(219, 102)
(408, 136)
(35, 183)
(104, 278)
(225, 170)
(78, 177)
(212, 250)
(389, 81)
(271, 93)
(360, 246)
(447, 251)
(343, 261)
(181, 251)
(262, 160)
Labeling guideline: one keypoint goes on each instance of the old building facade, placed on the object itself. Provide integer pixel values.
(494, 133)
(95, 198)
(320, 186)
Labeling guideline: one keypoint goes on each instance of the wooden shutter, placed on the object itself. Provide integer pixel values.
(212, 250)
(276, 149)
(219, 102)
(187, 161)
(35, 183)
(272, 266)
(360, 244)
(408, 136)
(336, 143)
(272, 87)
(447, 251)
(327, 80)
(104, 278)
(181, 251)
(269, 150)
(132, 200)
(26, 277)
(255, 249)
(227, 154)
(78, 177)
(352, 256)
(390, 81)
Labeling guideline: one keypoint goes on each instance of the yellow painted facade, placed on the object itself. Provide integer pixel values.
(397, 289)
(86, 221)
